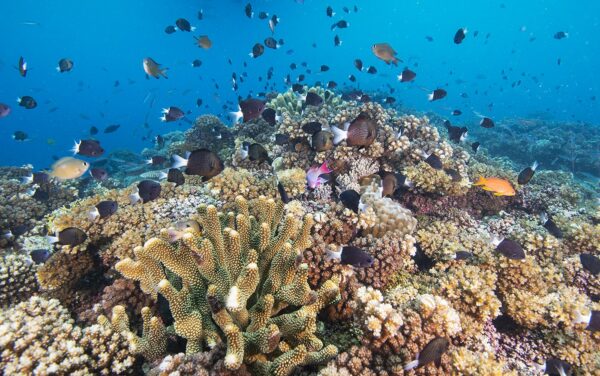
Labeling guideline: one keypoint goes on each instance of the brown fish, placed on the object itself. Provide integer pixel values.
(389, 184)
(362, 131)
(152, 68)
(385, 52)
(432, 352)
(322, 141)
(203, 41)
(201, 162)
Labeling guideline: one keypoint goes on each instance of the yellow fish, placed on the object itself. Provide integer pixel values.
(500, 187)
(69, 168)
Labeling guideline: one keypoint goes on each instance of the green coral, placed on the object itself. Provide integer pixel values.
(243, 282)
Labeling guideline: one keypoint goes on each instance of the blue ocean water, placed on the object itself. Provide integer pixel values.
(108, 39)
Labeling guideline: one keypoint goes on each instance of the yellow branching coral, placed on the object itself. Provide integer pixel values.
(468, 363)
(427, 179)
(237, 277)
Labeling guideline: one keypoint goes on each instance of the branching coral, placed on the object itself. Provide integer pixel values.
(17, 279)
(236, 278)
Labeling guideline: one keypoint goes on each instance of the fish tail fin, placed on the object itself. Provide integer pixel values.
(236, 116)
(27, 179)
(535, 165)
(331, 254)
(93, 214)
(324, 169)
(52, 239)
(163, 72)
(430, 97)
(162, 175)
(410, 365)
(339, 135)
(75, 148)
(480, 181)
(134, 198)
(179, 161)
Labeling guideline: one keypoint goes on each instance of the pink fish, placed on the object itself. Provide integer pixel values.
(313, 175)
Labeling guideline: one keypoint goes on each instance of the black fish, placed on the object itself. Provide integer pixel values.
(557, 367)
(271, 43)
(594, 323)
(437, 94)
(456, 112)
(352, 78)
(250, 109)
(434, 161)
(184, 25)
(358, 64)
(455, 175)
(561, 35)
(313, 99)
(322, 141)
(19, 230)
(256, 152)
(175, 176)
(147, 190)
(312, 127)
(510, 249)
(159, 141)
(103, 209)
(200, 15)
(27, 102)
(170, 29)
(64, 65)
(460, 35)
(486, 122)
(329, 11)
(157, 160)
(111, 128)
(590, 263)
(336, 41)
(351, 200)
(93, 130)
(372, 70)
(456, 134)
(549, 224)
(270, 116)
(282, 139)
(432, 352)
(282, 193)
(201, 162)
(248, 10)
(342, 24)
(407, 75)
(20, 136)
(463, 255)
(257, 50)
(41, 194)
(298, 88)
(38, 178)
(263, 15)
(331, 85)
(350, 255)
(70, 236)
(196, 63)
(88, 148)
(527, 173)
(40, 256)
(99, 173)
(324, 68)
(475, 146)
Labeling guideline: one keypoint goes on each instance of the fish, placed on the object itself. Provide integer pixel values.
(434, 161)
(282, 193)
(263, 15)
(171, 114)
(64, 65)
(20, 136)
(175, 175)
(200, 15)
(350, 255)
(41, 194)
(342, 24)
(432, 352)
(460, 35)
(196, 63)
(385, 52)
(68, 168)
(270, 116)
(156, 160)
(4, 110)
(112, 128)
(352, 78)
(358, 64)
(590, 262)
(257, 50)
(313, 99)
(99, 174)
(103, 209)
(549, 225)
(406, 75)
(429, 38)
(457, 134)
(455, 175)
(184, 25)
(486, 122)
(324, 68)
(93, 130)
(351, 200)
(313, 175)
(456, 112)
(256, 152)
(475, 146)
(555, 367)
(201, 162)
(203, 41)
(509, 248)
(71, 236)
(249, 109)
(527, 173)
(594, 321)
(391, 182)
(152, 68)
(88, 148)
(322, 141)
(281, 139)
(437, 94)
(38, 178)
(463, 255)
(561, 35)
(27, 102)
(362, 131)
(248, 10)
(271, 43)
(372, 70)
(337, 41)
(329, 12)
(145, 191)
(22, 67)
(170, 29)
(40, 256)
(312, 127)
(499, 187)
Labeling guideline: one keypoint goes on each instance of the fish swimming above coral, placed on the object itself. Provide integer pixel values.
(499, 187)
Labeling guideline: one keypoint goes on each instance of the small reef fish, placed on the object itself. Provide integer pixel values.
(27, 102)
(590, 263)
(322, 141)
(432, 353)
(146, 191)
(255, 152)
(553, 366)
(313, 175)
(462, 255)
(184, 25)
(38, 178)
(385, 52)
(22, 67)
(341, 24)
(437, 94)
(203, 42)
(500, 187)
(201, 162)
(20, 136)
(391, 182)
(434, 161)
(257, 50)
(69, 236)
(312, 127)
(475, 146)
(406, 75)
(362, 131)
(248, 110)
(152, 68)
(456, 134)
(351, 200)
(313, 99)
(175, 175)
(460, 35)
(170, 29)
(103, 209)
(527, 173)
(282, 193)
(561, 35)
(64, 65)
(112, 128)
(40, 256)
(99, 173)
(509, 248)
(4, 110)
(486, 122)
(88, 148)
(270, 116)
(350, 255)
(69, 168)
(549, 225)
(156, 160)
(172, 114)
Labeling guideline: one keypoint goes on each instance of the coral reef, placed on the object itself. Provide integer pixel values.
(17, 279)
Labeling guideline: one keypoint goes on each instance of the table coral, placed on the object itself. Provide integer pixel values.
(236, 281)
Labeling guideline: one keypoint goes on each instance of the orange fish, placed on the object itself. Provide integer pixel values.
(500, 187)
